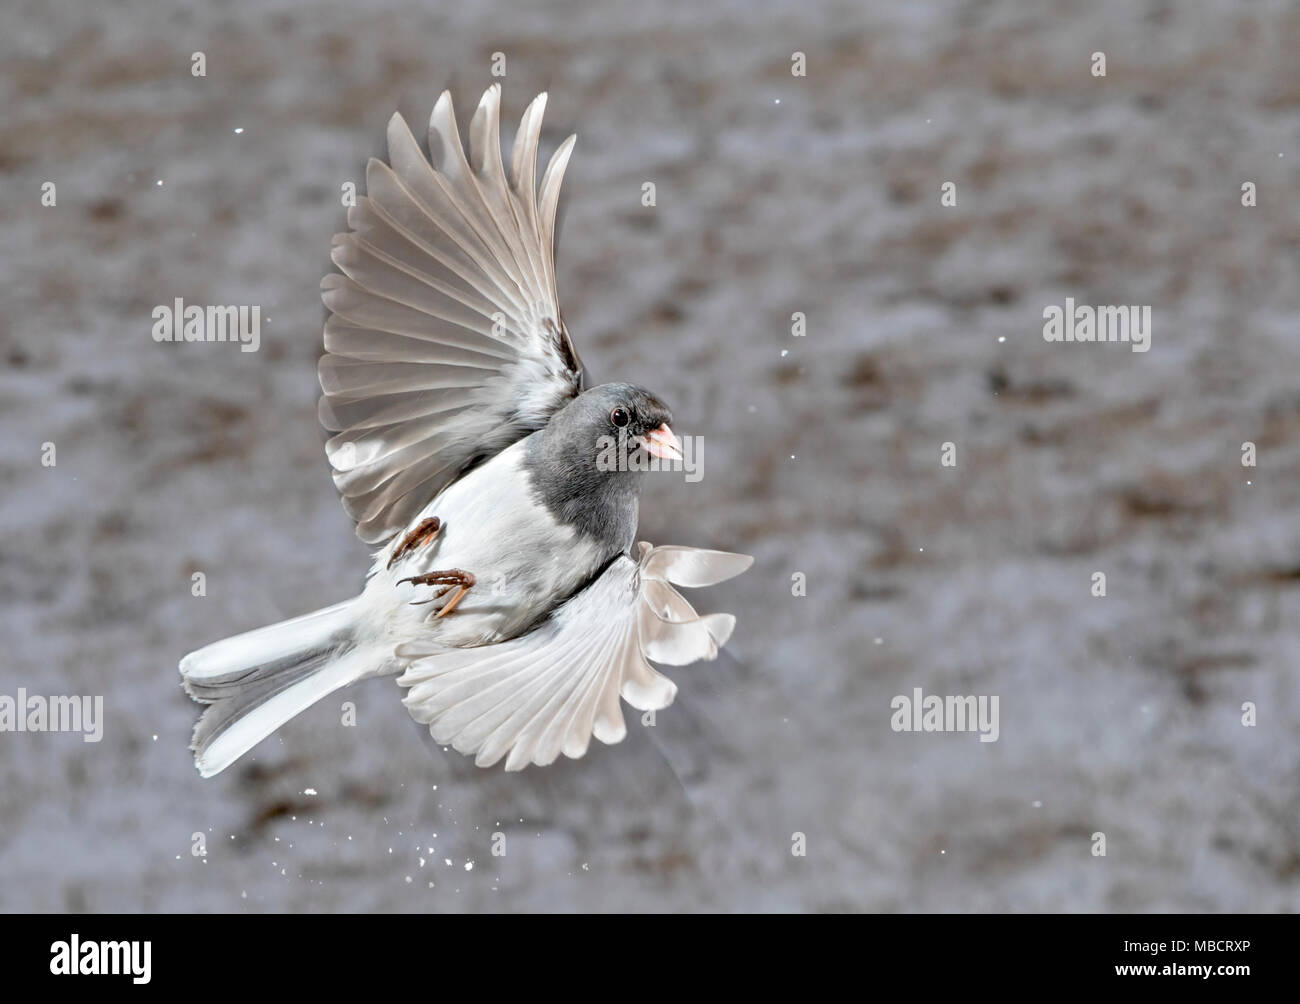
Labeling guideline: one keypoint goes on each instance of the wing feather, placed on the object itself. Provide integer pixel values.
(445, 342)
(550, 690)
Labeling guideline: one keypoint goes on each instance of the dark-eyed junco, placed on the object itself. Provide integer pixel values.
(508, 590)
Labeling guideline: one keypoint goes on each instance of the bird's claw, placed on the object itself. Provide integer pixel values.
(419, 537)
(452, 577)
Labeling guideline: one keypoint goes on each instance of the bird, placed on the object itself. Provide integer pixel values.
(507, 591)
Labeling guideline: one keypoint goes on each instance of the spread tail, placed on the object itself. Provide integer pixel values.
(255, 682)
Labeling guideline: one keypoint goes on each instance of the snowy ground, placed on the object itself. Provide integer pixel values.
(776, 194)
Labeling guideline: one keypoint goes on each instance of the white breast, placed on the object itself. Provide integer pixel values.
(523, 560)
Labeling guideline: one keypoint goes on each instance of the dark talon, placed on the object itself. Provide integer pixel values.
(420, 536)
(452, 577)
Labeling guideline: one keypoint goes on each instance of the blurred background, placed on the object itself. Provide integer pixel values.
(776, 194)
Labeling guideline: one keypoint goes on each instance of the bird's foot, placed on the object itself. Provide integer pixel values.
(452, 578)
(419, 537)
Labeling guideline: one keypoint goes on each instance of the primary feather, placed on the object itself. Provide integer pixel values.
(445, 342)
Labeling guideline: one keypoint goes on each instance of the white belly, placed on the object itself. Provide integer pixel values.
(522, 559)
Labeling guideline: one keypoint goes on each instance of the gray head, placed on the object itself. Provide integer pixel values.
(586, 460)
(616, 413)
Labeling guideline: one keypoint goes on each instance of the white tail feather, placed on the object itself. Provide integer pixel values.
(264, 718)
(256, 681)
(267, 644)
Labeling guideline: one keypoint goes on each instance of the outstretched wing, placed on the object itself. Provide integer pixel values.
(444, 343)
(548, 691)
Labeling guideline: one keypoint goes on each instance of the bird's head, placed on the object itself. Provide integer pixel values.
(608, 426)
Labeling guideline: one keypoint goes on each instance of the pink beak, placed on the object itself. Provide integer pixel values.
(663, 444)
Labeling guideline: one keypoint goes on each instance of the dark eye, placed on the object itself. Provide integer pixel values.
(620, 417)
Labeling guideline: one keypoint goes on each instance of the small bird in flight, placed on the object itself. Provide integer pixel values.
(508, 589)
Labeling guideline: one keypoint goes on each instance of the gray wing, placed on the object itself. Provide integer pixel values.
(549, 691)
(444, 343)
